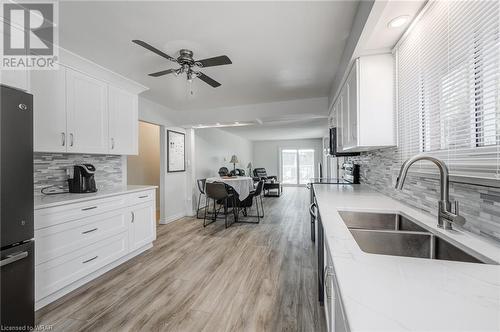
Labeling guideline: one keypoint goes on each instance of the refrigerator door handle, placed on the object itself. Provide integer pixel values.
(13, 258)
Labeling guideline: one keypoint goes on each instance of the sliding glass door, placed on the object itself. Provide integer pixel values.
(297, 166)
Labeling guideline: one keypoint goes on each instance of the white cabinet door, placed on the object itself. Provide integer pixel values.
(142, 225)
(352, 92)
(345, 115)
(49, 98)
(123, 122)
(338, 122)
(87, 111)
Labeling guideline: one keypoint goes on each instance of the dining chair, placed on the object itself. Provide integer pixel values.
(201, 188)
(218, 192)
(247, 203)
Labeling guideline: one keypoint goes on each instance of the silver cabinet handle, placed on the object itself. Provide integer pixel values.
(311, 210)
(71, 139)
(90, 260)
(90, 231)
(13, 258)
(133, 216)
(145, 196)
(328, 286)
(112, 143)
(89, 208)
(63, 138)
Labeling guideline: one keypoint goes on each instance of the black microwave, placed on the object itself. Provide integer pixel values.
(333, 146)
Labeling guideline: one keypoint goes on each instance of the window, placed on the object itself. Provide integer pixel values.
(297, 166)
(448, 71)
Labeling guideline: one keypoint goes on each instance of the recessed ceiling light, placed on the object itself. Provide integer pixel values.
(398, 21)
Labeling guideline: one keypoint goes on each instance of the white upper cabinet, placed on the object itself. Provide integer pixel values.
(49, 87)
(365, 105)
(87, 113)
(84, 108)
(123, 121)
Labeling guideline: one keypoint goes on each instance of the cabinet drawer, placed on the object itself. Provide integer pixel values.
(140, 197)
(61, 214)
(55, 241)
(55, 274)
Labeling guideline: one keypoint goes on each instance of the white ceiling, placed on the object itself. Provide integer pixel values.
(280, 50)
(280, 130)
(377, 35)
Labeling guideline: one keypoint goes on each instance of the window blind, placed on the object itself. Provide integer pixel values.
(448, 69)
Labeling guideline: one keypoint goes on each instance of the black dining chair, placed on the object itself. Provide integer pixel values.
(218, 192)
(247, 203)
(201, 188)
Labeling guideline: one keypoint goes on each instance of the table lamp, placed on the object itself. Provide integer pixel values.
(234, 161)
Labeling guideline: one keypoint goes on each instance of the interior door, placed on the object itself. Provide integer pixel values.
(87, 111)
(49, 89)
(123, 122)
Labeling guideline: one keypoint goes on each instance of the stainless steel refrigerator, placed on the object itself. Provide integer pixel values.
(16, 210)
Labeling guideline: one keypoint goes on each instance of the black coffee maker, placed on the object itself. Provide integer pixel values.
(82, 180)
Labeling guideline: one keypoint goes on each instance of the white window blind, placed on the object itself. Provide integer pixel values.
(448, 70)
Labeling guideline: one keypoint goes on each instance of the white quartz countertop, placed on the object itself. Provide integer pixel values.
(45, 201)
(391, 293)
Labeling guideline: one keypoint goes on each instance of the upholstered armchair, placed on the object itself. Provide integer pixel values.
(261, 174)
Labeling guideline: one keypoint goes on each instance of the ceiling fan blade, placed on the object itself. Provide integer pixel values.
(161, 73)
(208, 80)
(215, 61)
(153, 49)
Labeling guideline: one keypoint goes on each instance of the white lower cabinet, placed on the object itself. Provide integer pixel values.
(142, 231)
(59, 272)
(334, 311)
(72, 248)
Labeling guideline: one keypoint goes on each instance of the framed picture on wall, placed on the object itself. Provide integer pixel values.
(176, 153)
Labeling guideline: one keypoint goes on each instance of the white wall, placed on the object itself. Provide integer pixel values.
(214, 148)
(145, 167)
(266, 153)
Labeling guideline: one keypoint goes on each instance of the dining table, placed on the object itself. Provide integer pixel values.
(242, 185)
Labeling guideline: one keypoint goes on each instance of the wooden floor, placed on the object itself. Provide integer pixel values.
(244, 278)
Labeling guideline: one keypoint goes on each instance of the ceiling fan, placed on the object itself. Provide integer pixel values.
(188, 64)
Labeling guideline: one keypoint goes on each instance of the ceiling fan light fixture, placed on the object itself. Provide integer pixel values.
(186, 61)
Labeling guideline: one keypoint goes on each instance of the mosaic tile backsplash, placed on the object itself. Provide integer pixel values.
(479, 205)
(50, 169)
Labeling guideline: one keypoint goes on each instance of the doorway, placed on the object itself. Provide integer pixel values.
(144, 169)
(297, 166)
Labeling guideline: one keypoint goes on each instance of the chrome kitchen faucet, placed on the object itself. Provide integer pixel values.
(446, 217)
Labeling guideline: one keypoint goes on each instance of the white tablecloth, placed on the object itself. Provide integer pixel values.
(241, 184)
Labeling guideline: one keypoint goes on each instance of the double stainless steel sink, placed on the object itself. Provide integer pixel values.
(394, 234)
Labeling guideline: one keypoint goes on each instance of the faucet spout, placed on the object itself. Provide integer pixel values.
(443, 172)
(445, 215)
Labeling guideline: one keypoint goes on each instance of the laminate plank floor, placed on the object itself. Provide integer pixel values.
(249, 277)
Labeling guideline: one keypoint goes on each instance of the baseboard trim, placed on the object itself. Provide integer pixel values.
(80, 282)
(169, 219)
